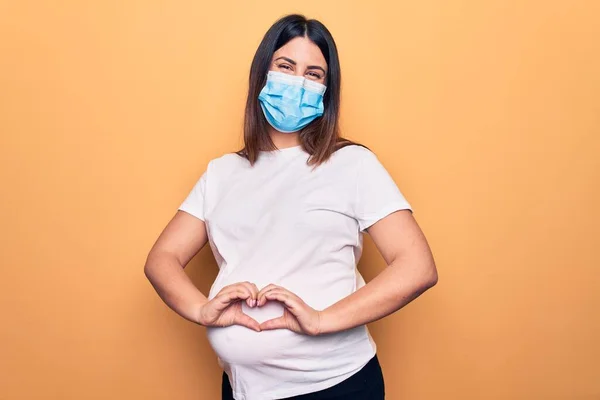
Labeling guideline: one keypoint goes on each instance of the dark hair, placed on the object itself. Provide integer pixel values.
(320, 138)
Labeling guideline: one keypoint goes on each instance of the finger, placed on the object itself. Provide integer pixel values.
(245, 288)
(263, 291)
(251, 301)
(248, 322)
(287, 292)
(267, 288)
(283, 297)
(275, 323)
(233, 288)
(225, 299)
(256, 291)
(229, 287)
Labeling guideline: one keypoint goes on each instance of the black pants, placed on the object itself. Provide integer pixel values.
(366, 384)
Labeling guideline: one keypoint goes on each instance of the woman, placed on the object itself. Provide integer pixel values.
(285, 218)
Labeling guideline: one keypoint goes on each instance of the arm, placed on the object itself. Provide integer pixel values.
(411, 271)
(181, 239)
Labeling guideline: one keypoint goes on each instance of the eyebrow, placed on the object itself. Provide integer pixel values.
(294, 63)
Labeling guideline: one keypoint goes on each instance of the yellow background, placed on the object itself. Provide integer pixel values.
(487, 114)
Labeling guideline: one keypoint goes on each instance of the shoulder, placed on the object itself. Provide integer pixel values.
(345, 163)
(361, 161)
(353, 153)
(227, 159)
(226, 164)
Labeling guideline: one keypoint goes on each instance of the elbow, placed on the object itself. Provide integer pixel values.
(158, 260)
(430, 277)
(148, 265)
(147, 270)
(433, 280)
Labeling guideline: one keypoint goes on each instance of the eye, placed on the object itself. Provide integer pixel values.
(285, 66)
(314, 75)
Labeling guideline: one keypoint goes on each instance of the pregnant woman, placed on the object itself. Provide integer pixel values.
(285, 218)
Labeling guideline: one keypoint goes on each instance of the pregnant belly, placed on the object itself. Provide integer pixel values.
(240, 345)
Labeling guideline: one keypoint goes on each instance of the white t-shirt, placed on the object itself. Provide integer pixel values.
(282, 222)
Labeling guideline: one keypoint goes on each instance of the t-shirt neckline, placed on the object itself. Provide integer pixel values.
(286, 150)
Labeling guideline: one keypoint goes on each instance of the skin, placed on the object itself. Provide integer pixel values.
(410, 268)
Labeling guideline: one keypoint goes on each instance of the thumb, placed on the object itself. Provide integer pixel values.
(244, 320)
(275, 323)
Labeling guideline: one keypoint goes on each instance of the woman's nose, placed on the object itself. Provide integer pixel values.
(299, 70)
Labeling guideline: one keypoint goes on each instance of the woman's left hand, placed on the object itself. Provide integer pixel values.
(297, 315)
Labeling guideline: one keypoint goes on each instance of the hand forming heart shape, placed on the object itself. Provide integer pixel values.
(225, 309)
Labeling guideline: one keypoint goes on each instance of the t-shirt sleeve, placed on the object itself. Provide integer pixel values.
(377, 195)
(195, 200)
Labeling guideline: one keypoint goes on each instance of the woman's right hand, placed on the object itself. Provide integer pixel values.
(225, 309)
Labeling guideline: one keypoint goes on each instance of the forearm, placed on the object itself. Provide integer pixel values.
(392, 289)
(174, 286)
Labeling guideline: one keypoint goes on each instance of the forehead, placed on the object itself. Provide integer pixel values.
(303, 51)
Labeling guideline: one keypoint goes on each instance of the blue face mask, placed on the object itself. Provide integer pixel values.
(291, 102)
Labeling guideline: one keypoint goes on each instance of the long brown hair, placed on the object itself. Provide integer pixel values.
(321, 138)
